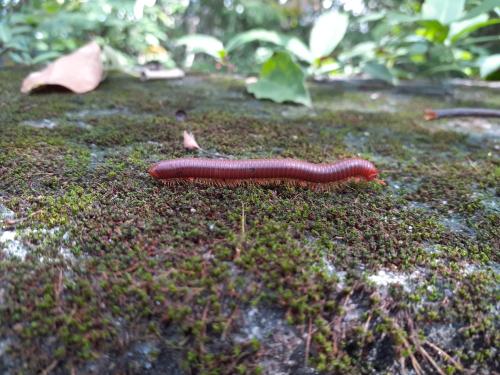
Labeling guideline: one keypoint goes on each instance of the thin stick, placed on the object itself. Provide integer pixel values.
(402, 364)
(419, 347)
(431, 360)
(242, 238)
(204, 326)
(308, 341)
(229, 322)
(445, 355)
(49, 369)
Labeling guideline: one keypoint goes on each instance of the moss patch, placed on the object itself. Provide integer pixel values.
(169, 278)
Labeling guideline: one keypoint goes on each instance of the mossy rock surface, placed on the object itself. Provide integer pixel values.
(104, 270)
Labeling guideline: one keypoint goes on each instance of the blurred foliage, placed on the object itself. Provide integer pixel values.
(385, 39)
(36, 31)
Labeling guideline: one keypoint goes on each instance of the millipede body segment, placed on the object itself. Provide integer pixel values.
(262, 171)
(433, 114)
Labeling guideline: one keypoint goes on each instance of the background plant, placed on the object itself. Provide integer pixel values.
(283, 41)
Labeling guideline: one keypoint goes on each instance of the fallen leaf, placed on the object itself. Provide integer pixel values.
(281, 80)
(80, 71)
(189, 141)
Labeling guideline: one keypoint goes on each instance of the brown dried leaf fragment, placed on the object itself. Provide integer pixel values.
(189, 141)
(80, 71)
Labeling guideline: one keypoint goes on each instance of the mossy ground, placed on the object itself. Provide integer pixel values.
(121, 274)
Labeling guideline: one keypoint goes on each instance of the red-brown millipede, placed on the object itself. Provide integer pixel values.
(262, 171)
(433, 114)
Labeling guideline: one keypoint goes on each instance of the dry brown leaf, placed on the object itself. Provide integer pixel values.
(80, 71)
(189, 141)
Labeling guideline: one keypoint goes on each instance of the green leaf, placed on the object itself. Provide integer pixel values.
(444, 11)
(489, 67)
(328, 65)
(395, 18)
(433, 30)
(379, 71)
(445, 68)
(370, 17)
(485, 7)
(5, 33)
(363, 49)
(255, 35)
(199, 43)
(46, 56)
(115, 60)
(291, 44)
(327, 32)
(457, 27)
(281, 80)
(262, 54)
(299, 49)
(473, 28)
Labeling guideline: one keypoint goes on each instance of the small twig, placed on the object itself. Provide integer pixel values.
(58, 286)
(367, 324)
(419, 347)
(414, 362)
(242, 222)
(402, 364)
(416, 366)
(229, 322)
(445, 355)
(51, 367)
(204, 326)
(242, 233)
(431, 360)
(308, 341)
(365, 331)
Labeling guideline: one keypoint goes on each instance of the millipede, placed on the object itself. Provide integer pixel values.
(263, 171)
(434, 114)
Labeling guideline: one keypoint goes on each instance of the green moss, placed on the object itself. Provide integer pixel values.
(182, 264)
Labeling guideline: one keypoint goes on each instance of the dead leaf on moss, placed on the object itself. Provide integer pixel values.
(189, 141)
(80, 71)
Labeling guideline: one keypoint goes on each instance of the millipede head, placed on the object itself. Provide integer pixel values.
(429, 114)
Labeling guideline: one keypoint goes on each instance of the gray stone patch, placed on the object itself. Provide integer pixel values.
(97, 156)
(356, 143)
(11, 246)
(41, 124)
(6, 213)
(83, 125)
(9, 243)
(455, 224)
(143, 354)
(474, 126)
(331, 270)
(384, 278)
(472, 268)
(93, 113)
(257, 324)
(280, 340)
(4, 346)
(432, 249)
(403, 186)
